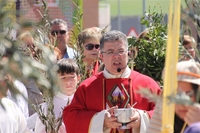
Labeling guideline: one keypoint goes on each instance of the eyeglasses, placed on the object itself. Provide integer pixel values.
(90, 46)
(55, 32)
(111, 53)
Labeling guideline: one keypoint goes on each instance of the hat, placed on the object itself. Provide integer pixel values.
(188, 71)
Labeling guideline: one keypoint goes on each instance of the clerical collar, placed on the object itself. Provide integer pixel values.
(125, 74)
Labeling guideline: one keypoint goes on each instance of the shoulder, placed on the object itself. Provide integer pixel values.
(93, 80)
(193, 128)
(143, 80)
(71, 52)
(140, 76)
(20, 86)
(9, 104)
(69, 48)
(7, 101)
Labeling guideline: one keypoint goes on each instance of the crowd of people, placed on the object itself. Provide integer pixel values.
(90, 107)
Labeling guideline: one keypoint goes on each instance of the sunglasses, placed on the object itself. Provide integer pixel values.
(90, 46)
(55, 32)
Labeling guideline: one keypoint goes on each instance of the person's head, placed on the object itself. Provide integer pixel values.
(188, 81)
(132, 49)
(28, 42)
(27, 38)
(89, 41)
(143, 34)
(114, 51)
(97, 29)
(189, 44)
(59, 31)
(68, 76)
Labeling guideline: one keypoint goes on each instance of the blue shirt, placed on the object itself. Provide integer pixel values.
(70, 53)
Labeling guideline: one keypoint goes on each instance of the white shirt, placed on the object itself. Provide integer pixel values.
(71, 52)
(20, 101)
(60, 101)
(11, 118)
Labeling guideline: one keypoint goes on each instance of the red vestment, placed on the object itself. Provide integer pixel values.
(89, 99)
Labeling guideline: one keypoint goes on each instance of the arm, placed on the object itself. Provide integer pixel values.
(155, 123)
(152, 87)
(139, 120)
(144, 108)
(143, 124)
(22, 124)
(104, 120)
(147, 114)
(21, 100)
(76, 116)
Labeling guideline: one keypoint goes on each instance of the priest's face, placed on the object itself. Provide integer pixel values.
(115, 55)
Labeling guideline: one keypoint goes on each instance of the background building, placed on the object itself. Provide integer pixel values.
(121, 15)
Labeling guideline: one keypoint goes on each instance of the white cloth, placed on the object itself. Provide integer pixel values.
(60, 101)
(125, 74)
(155, 125)
(20, 99)
(11, 118)
(96, 124)
(31, 121)
(144, 121)
(71, 52)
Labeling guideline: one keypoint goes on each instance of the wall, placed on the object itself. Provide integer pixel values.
(90, 13)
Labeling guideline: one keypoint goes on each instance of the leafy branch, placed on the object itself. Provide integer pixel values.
(151, 46)
(21, 64)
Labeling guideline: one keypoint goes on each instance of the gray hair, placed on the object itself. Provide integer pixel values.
(59, 21)
(112, 36)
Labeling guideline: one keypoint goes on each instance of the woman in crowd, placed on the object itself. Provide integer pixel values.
(89, 44)
(188, 84)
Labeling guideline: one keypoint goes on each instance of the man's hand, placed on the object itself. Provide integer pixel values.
(110, 121)
(192, 115)
(135, 119)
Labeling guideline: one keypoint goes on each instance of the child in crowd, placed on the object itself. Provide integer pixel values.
(68, 78)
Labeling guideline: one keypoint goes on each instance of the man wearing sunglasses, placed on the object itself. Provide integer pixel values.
(59, 35)
(97, 98)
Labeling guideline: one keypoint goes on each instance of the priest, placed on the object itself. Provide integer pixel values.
(92, 109)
